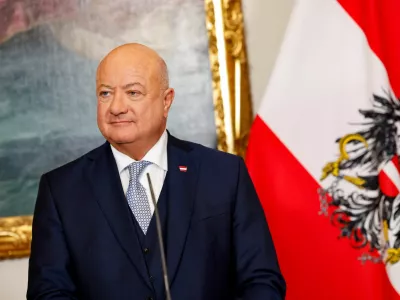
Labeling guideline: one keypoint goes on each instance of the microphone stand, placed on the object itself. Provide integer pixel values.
(160, 240)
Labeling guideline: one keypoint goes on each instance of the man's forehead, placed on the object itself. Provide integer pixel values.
(140, 70)
(126, 65)
(123, 73)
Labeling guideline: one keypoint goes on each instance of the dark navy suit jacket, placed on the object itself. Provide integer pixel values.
(218, 244)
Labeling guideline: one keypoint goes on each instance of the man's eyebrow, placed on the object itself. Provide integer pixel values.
(106, 86)
(131, 84)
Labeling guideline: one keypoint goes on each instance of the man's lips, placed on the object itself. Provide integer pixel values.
(124, 122)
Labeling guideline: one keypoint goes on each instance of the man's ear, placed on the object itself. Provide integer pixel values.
(169, 95)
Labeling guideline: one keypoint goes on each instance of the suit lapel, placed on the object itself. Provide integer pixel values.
(106, 185)
(183, 171)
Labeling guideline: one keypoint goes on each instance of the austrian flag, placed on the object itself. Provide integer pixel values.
(324, 151)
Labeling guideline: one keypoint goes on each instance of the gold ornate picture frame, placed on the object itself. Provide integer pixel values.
(231, 96)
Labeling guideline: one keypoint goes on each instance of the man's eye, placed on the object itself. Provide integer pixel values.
(134, 93)
(104, 94)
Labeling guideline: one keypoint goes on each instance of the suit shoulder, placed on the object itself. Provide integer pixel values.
(213, 156)
(216, 166)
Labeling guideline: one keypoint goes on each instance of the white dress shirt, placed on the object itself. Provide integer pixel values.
(157, 155)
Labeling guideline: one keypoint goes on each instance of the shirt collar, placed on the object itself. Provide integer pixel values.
(156, 155)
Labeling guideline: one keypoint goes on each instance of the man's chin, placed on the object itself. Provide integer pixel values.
(121, 136)
(121, 139)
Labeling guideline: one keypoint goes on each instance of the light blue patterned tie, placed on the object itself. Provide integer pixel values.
(136, 195)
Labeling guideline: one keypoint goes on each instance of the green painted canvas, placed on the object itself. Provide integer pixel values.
(49, 51)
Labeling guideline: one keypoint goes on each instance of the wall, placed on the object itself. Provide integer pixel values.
(265, 22)
(13, 279)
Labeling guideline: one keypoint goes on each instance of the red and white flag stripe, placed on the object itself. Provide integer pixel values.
(335, 57)
(389, 177)
(183, 168)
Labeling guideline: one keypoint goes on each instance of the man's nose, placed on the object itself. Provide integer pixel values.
(118, 105)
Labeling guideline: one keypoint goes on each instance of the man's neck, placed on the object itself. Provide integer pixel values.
(138, 149)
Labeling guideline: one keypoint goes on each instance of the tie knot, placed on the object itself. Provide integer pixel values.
(137, 167)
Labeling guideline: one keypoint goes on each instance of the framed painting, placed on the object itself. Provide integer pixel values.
(49, 51)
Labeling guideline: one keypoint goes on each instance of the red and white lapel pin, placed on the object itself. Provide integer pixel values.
(183, 168)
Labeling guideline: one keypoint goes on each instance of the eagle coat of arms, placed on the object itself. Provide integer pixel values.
(363, 198)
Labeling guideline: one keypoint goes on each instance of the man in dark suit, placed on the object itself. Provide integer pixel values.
(94, 234)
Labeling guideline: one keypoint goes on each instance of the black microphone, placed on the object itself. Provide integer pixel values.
(160, 240)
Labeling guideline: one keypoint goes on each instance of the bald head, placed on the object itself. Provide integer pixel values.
(135, 53)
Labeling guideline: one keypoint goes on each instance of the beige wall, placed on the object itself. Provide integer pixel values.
(13, 279)
(265, 22)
